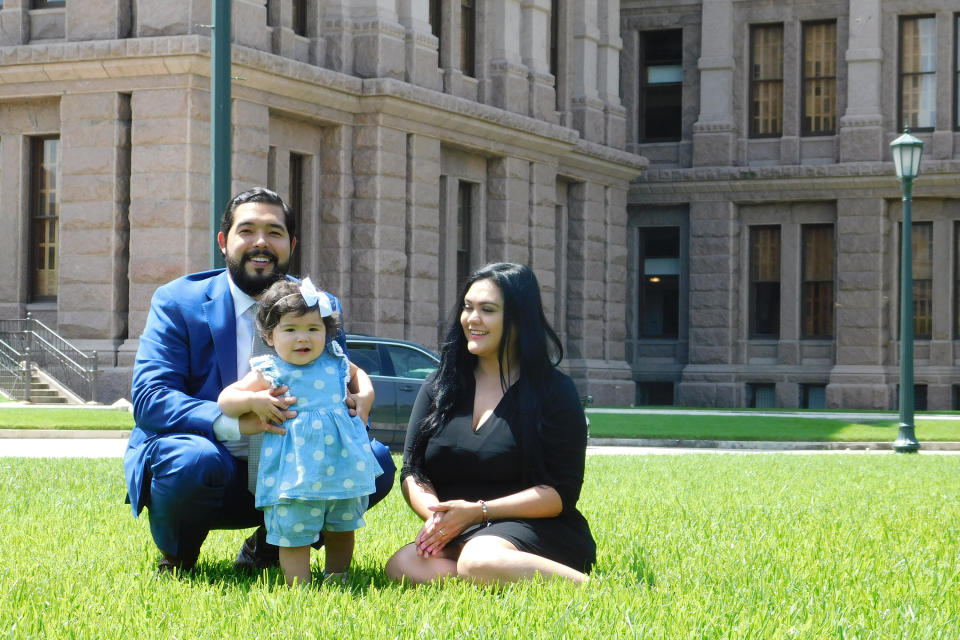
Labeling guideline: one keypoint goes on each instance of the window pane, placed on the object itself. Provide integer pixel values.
(665, 74)
(922, 247)
(366, 356)
(956, 80)
(659, 282)
(410, 363)
(918, 72)
(765, 282)
(819, 78)
(464, 216)
(766, 80)
(818, 286)
(467, 38)
(956, 280)
(661, 86)
(45, 216)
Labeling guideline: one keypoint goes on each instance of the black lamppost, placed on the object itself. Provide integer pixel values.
(906, 160)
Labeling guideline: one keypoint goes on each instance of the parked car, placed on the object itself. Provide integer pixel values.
(397, 369)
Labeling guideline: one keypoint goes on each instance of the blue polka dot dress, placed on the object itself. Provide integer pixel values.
(325, 453)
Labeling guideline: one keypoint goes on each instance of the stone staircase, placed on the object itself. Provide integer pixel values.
(41, 391)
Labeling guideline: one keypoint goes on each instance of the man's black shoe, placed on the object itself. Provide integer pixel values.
(172, 565)
(257, 554)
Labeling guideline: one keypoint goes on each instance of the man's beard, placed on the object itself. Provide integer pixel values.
(254, 285)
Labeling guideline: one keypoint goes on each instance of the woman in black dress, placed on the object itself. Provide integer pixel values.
(494, 455)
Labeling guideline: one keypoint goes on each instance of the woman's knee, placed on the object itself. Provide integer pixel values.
(482, 556)
(399, 565)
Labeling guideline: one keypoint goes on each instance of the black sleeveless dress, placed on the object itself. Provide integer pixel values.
(488, 463)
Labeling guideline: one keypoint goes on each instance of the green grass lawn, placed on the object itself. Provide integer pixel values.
(602, 425)
(740, 427)
(706, 546)
(65, 419)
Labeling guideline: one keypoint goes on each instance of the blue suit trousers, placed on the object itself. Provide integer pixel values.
(196, 486)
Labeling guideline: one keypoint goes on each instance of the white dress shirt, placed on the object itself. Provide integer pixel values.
(225, 428)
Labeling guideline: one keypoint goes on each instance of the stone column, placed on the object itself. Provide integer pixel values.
(378, 39)
(861, 127)
(542, 246)
(421, 297)
(248, 24)
(863, 306)
(336, 187)
(535, 55)
(714, 132)
(422, 60)
(283, 39)
(506, 77)
(508, 209)
(595, 341)
(251, 144)
(14, 22)
(101, 20)
(586, 107)
(337, 35)
(94, 229)
(169, 196)
(378, 253)
(608, 74)
(714, 317)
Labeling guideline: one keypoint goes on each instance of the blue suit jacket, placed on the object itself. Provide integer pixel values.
(187, 355)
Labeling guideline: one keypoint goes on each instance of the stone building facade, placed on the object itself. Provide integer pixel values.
(417, 138)
(763, 251)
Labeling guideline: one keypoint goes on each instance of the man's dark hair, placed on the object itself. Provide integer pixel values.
(258, 194)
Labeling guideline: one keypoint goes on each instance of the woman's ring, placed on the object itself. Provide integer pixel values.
(440, 532)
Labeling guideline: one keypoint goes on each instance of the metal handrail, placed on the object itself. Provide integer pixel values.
(29, 342)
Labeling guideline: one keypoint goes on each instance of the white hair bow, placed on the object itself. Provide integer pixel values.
(313, 296)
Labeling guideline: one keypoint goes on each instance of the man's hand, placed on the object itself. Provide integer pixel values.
(360, 405)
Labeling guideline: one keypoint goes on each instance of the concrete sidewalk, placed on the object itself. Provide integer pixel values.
(31, 443)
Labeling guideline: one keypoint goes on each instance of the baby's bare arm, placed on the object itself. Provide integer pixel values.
(253, 394)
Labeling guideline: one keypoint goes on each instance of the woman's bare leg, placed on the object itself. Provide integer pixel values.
(490, 560)
(406, 564)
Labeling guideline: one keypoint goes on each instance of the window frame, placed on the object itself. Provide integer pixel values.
(917, 333)
(901, 74)
(754, 282)
(465, 211)
(806, 324)
(646, 88)
(755, 83)
(38, 164)
(468, 38)
(805, 129)
(956, 71)
(642, 292)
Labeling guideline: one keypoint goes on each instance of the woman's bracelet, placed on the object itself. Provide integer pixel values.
(486, 515)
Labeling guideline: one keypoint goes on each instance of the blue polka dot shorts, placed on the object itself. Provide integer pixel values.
(299, 523)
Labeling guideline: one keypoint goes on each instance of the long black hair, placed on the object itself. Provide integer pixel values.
(528, 343)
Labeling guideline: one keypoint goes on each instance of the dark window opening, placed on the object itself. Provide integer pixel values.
(661, 86)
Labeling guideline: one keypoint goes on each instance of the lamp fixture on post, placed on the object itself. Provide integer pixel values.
(906, 160)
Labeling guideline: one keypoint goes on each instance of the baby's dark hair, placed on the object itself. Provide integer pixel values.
(284, 297)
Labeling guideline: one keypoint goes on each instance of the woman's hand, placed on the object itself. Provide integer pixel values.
(448, 520)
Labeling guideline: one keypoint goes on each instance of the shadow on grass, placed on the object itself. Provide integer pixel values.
(361, 578)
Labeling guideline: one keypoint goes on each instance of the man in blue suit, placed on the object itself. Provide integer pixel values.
(187, 462)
